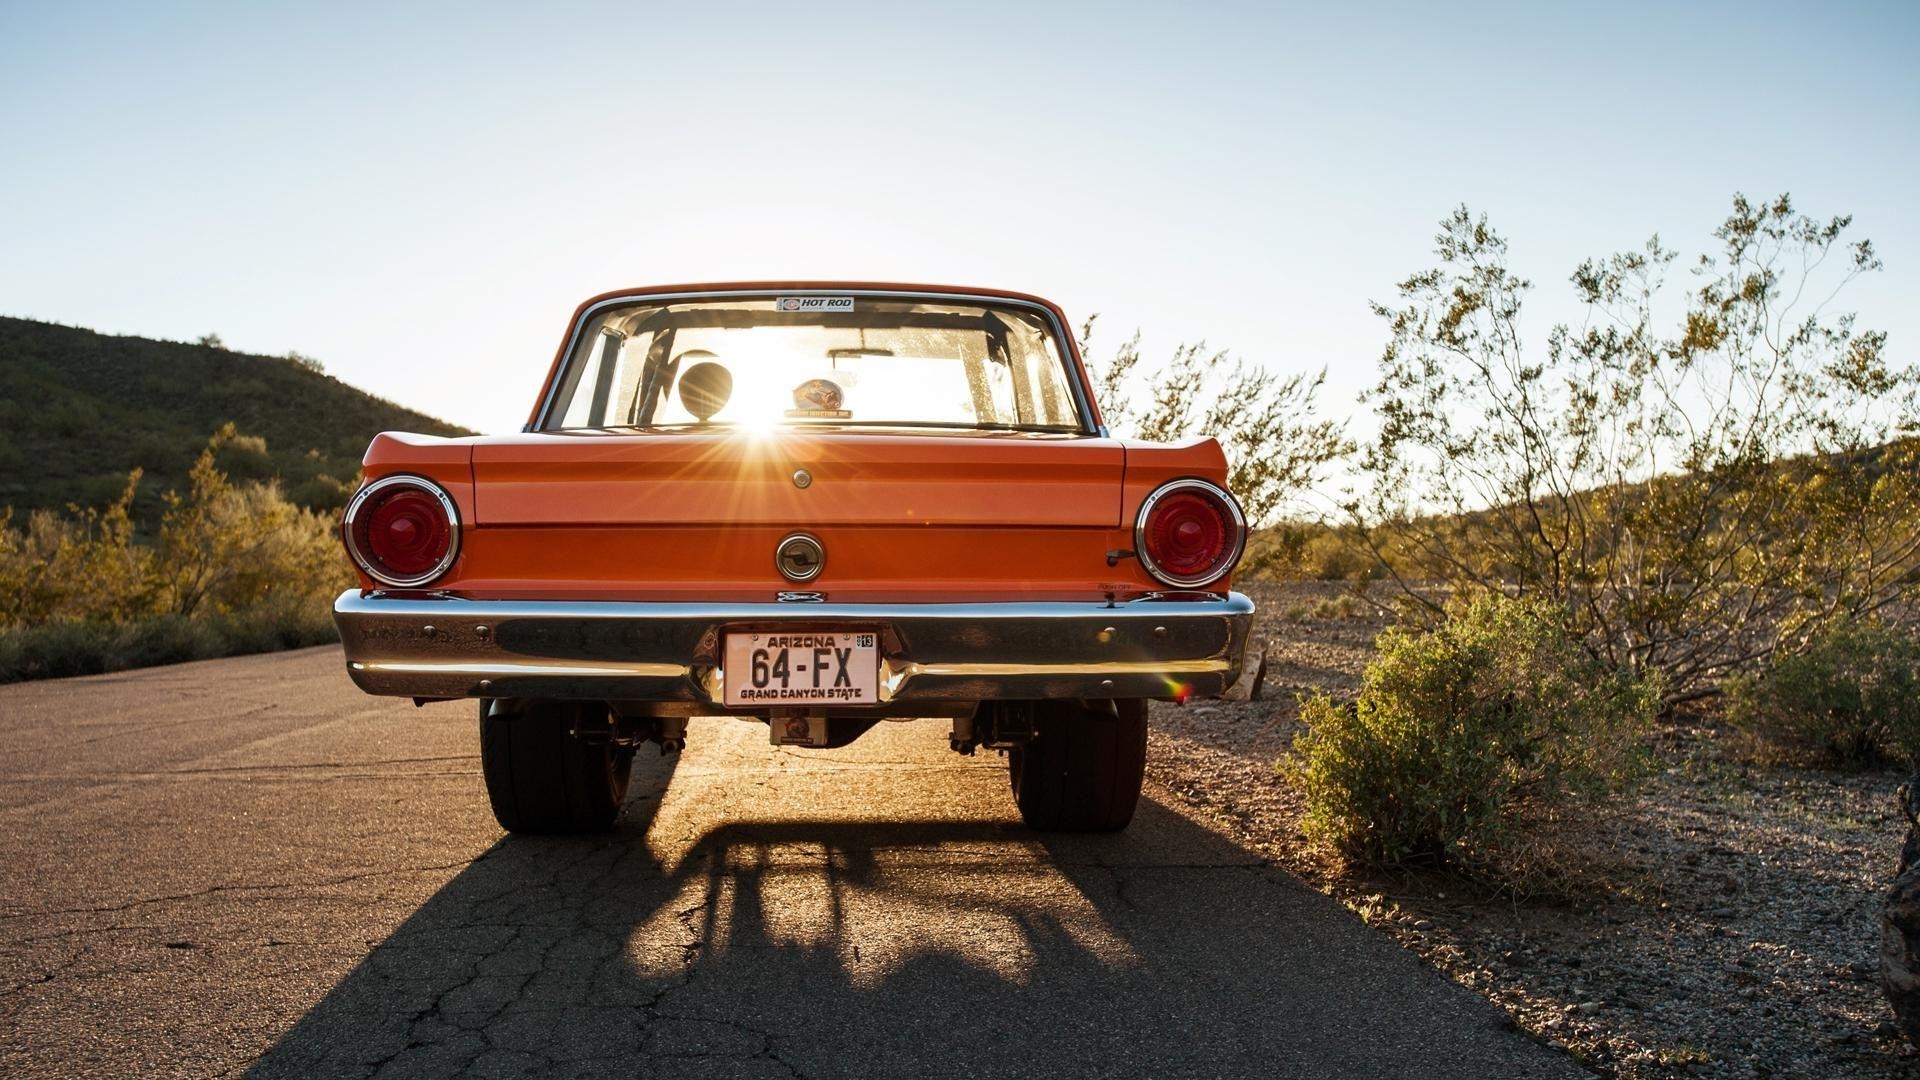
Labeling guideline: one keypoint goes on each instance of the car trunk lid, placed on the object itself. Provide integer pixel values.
(798, 478)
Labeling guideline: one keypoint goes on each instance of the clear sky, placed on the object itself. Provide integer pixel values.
(418, 195)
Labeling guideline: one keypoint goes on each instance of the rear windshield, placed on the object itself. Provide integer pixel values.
(816, 359)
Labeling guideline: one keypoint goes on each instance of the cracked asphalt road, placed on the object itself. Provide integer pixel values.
(247, 867)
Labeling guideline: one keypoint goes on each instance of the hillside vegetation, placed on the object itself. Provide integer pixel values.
(162, 502)
(79, 410)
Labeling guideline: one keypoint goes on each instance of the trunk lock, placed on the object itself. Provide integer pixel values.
(800, 557)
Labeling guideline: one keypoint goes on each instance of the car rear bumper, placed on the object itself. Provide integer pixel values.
(1169, 646)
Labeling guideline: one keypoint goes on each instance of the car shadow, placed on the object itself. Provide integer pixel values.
(823, 946)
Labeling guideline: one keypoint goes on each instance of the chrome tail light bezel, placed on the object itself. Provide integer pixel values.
(369, 566)
(1237, 548)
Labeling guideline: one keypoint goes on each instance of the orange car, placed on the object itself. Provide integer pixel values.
(815, 506)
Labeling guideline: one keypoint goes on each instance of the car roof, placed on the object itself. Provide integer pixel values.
(799, 285)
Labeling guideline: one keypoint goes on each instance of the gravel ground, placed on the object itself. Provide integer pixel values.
(1731, 931)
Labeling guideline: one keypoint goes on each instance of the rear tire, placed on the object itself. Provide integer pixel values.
(541, 778)
(1083, 768)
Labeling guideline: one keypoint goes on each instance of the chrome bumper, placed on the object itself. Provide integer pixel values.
(428, 647)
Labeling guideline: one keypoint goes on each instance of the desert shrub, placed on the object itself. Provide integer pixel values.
(1852, 697)
(322, 493)
(1344, 606)
(1326, 555)
(1471, 742)
(234, 568)
(230, 547)
(245, 457)
(84, 565)
(1699, 479)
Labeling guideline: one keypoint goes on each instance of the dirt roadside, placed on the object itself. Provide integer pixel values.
(1733, 934)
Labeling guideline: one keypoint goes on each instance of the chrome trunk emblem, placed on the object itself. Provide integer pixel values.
(800, 557)
(801, 597)
(802, 478)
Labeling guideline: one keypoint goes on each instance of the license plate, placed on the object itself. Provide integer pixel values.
(808, 668)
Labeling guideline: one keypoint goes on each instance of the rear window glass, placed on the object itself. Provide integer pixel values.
(764, 361)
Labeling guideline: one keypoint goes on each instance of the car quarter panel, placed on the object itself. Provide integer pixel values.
(446, 462)
(1150, 465)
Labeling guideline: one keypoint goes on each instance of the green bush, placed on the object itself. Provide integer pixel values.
(1470, 743)
(1852, 696)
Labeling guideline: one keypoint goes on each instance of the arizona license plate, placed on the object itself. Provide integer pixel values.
(809, 668)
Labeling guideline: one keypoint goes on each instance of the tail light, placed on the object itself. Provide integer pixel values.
(402, 530)
(1189, 533)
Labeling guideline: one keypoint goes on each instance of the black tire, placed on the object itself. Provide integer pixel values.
(542, 779)
(1082, 770)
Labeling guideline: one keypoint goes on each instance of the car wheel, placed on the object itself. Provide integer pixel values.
(541, 778)
(1081, 771)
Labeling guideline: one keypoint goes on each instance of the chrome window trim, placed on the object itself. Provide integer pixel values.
(1140, 538)
(366, 565)
(1063, 343)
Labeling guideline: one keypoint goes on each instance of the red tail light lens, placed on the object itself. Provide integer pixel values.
(1189, 533)
(402, 530)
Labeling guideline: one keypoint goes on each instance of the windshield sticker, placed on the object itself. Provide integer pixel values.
(818, 394)
(814, 303)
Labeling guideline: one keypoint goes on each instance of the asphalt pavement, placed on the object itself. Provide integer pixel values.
(247, 867)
